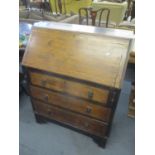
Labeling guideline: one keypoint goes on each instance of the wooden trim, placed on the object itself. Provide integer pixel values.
(84, 99)
(92, 117)
(97, 127)
(73, 79)
(113, 99)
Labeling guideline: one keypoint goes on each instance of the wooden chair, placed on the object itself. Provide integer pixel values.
(91, 13)
(58, 7)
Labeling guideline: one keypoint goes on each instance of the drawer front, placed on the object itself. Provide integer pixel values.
(70, 87)
(71, 103)
(75, 120)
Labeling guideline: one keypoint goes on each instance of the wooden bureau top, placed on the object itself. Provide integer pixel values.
(95, 58)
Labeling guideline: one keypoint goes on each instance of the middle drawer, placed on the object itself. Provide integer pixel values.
(71, 103)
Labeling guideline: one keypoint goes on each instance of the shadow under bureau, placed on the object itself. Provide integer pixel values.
(75, 75)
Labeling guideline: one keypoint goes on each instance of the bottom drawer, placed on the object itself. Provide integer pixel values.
(77, 121)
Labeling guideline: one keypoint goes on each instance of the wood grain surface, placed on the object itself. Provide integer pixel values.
(71, 87)
(84, 123)
(84, 56)
(71, 103)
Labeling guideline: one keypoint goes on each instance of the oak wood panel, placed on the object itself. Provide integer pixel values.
(77, 121)
(71, 103)
(70, 87)
(121, 73)
(85, 56)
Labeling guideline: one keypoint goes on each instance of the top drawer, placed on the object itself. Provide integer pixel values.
(70, 87)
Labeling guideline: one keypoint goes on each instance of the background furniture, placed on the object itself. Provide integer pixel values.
(32, 16)
(117, 10)
(91, 14)
(131, 9)
(71, 6)
(76, 81)
(59, 10)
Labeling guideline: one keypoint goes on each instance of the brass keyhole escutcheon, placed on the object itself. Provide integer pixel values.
(90, 94)
(43, 83)
(88, 110)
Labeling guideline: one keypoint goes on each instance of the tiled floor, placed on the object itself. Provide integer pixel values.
(52, 139)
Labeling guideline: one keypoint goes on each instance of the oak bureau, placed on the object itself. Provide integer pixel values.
(75, 75)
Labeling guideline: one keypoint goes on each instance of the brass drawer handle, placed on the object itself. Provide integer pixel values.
(88, 110)
(46, 97)
(90, 94)
(43, 83)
